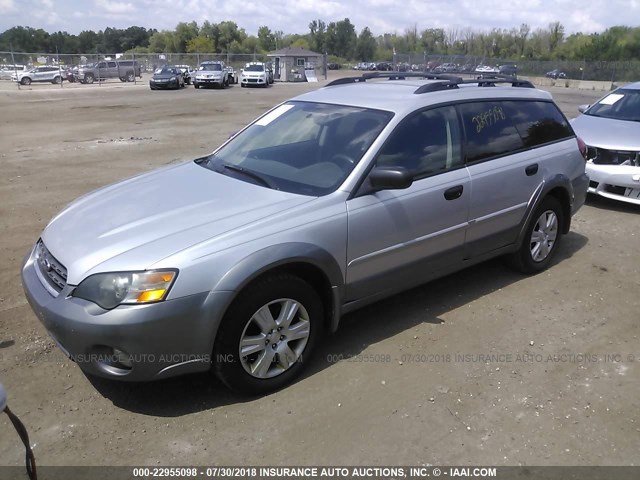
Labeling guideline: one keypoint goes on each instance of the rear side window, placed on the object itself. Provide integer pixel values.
(537, 122)
(490, 131)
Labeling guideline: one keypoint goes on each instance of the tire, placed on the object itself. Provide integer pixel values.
(196, 85)
(89, 79)
(57, 80)
(541, 239)
(25, 81)
(258, 316)
(123, 79)
(130, 77)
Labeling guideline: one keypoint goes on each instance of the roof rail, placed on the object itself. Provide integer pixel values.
(447, 81)
(392, 76)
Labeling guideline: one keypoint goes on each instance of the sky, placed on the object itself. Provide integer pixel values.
(293, 16)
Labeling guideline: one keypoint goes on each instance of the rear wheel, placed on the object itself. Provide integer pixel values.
(130, 77)
(268, 334)
(541, 239)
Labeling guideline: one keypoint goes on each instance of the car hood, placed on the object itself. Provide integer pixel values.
(135, 223)
(608, 133)
(164, 76)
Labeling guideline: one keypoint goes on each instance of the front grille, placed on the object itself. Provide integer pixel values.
(53, 272)
(601, 156)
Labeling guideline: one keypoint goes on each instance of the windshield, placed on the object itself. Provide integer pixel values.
(300, 147)
(254, 68)
(211, 66)
(165, 71)
(623, 104)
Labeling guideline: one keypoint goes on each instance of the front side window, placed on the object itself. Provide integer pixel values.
(425, 143)
(300, 147)
(489, 130)
(622, 104)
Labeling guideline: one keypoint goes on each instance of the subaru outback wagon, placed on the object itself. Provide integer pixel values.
(237, 262)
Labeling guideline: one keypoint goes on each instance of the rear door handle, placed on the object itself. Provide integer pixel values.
(453, 192)
(531, 169)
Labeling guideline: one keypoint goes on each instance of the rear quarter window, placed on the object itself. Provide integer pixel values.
(538, 122)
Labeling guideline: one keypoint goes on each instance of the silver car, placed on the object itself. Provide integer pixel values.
(611, 129)
(239, 261)
(38, 74)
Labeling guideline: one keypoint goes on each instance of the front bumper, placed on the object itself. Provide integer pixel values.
(253, 81)
(165, 84)
(159, 340)
(208, 81)
(618, 182)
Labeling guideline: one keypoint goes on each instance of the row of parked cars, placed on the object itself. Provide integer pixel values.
(214, 74)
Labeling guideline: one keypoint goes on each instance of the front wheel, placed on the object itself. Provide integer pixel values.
(25, 81)
(57, 80)
(267, 336)
(541, 239)
(89, 79)
(130, 77)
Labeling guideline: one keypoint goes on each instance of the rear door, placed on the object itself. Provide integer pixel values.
(507, 165)
(397, 238)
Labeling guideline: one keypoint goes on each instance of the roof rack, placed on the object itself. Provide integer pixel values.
(446, 82)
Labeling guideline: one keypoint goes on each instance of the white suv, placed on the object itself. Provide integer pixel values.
(254, 74)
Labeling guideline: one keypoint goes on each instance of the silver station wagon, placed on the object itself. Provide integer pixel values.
(330, 201)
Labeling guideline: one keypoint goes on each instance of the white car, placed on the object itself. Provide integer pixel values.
(254, 74)
(611, 131)
(38, 74)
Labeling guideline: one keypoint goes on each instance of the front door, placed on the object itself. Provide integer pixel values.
(399, 238)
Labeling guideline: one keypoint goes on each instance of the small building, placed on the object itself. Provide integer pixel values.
(289, 64)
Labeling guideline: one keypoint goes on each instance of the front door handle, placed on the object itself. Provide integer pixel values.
(453, 192)
(531, 170)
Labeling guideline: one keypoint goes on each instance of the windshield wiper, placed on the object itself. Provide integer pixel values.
(250, 173)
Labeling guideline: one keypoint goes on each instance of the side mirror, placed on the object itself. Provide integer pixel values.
(390, 178)
(582, 108)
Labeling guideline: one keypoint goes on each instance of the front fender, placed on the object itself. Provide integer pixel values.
(277, 256)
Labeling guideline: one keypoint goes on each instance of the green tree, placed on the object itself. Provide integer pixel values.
(266, 39)
(229, 33)
(317, 32)
(200, 44)
(184, 33)
(366, 45)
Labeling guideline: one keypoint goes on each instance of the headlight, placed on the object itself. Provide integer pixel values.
(109, 290)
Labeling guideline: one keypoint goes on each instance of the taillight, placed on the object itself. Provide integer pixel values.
(582, 147)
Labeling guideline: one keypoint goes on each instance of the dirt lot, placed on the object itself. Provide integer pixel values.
(415, 385)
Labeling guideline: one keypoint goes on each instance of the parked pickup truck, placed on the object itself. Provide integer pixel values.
(125, 70)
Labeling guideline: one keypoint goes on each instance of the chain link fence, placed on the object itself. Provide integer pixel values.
(614, 71)
(618, 71)
(11, 63)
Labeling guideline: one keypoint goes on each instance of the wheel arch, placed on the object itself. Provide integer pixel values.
(309, 262)
(559, 187)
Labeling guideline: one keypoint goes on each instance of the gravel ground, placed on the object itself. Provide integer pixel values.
(482, 367)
